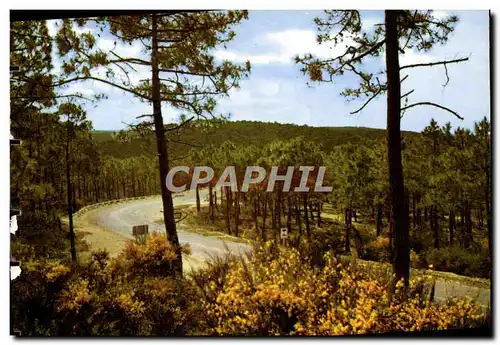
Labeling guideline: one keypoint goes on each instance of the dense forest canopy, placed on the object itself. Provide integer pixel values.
(239, 132)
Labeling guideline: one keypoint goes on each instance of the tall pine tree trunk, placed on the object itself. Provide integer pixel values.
(487, 201)
(211, 202)
(299, 219)
(401, 259)
(198, 205)
(215, 201)
(347, 236)
(166, 195)
(228, 209)
(306, 218)
(468, 224)
(379, 219)
(414, 212)
(435, 218)
(255, 208)
(237, 213)
(264, 218)
(273, 214)
(451, 226)
(70, 203)
(289, 214)
(278, 210)
(318, 216)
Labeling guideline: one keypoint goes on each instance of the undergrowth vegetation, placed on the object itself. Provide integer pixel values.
(272, 291)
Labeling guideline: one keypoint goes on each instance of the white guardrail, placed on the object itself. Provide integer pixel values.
(91, 207)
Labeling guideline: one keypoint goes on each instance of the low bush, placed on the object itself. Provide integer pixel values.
(377, 250)
(272, 291)
(329, 238)
(282, 294)
(133, 294)
(469, 262)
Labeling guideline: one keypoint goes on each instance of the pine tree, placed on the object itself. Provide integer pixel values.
(183, 71)
(402, 30)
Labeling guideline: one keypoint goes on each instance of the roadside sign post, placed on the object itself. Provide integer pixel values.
(139, 230)
(284, 236)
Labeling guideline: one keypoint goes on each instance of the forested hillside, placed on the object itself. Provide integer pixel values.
(238, 132)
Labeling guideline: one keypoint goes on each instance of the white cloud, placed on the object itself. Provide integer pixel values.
(441, 14)
(286, 45)
(254, 59)
(290, 43)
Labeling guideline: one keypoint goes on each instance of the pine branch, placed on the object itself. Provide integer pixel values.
(183, 102)
(430, 64)
(127, 60)
(184, 72)
(434, 105)
(102, 81)
(368, 52)
(145, 115)
(368, 101)
(408, 93)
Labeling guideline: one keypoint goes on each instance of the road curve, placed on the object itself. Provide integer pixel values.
(122, 217)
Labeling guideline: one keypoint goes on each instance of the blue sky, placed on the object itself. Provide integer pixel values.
(277, 91)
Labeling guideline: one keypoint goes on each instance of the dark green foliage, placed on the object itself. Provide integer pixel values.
(240, 133)
(468, 262)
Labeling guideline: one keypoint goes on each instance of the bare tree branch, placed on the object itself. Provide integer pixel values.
(434, 105)
(145, 115)
(180, 125)
(429, 64)
(131, 60)
(408, 93)
(102, 81)
(447, 76)
(368, 101)
(183, 72)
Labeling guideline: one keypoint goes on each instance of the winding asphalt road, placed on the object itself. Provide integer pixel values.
(123, 216)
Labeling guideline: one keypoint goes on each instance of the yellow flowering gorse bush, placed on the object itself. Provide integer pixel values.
(281, 294)
(271, 291)
(133, 294)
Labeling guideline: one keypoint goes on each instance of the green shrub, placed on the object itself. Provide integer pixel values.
(458, 260)
(324, 240)
(34, 296)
